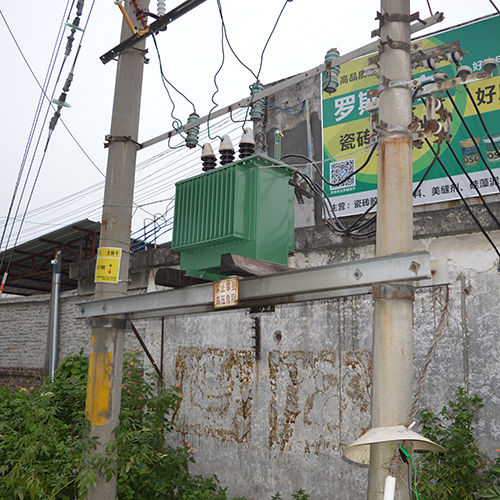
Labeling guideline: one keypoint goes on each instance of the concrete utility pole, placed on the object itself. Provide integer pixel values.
(393, 325)
(106, 355)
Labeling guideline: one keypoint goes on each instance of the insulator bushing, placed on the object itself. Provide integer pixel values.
(208, 159)
(226, 150)
(247, 144)
(257, 111)
(330, 77)
(192, 133)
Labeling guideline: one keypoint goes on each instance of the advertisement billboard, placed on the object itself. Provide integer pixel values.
(346, 128)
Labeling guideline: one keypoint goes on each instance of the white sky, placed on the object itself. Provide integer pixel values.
(191, 54)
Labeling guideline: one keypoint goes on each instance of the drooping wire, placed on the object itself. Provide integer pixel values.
(36, 117)
(473, 184)
(289, 110)
(262, 60)
(457, 189)
(269, 38)
(224, 30)
(429, 5)
(496, 8)
(176, 123)
(429, 168)
(480, 116)
(333, 184)
(331, 215)
(407, 453)
(473, 140)
(51, 130)
(164, 78)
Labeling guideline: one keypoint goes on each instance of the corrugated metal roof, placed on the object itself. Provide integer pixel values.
(30, 263)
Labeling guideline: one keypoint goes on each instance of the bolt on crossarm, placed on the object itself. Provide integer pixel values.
(393, 323)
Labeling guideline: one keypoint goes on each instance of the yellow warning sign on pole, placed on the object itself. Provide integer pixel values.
(107, 267)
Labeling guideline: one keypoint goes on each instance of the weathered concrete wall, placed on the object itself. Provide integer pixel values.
(281, 422)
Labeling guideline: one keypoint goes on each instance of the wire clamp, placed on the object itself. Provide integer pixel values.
(396, 18)
(393, 291)
(120, 138)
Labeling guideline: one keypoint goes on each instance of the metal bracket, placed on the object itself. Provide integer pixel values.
(393, 291)
(396, 18)
(104, 322)
(120, 138)
(256, 337)
(398, 44)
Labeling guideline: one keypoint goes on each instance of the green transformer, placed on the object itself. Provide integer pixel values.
(245, 208)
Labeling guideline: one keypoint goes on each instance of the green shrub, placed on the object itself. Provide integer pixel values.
(45, 452)
(463, 472)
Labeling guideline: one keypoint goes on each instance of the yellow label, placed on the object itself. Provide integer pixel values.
(107, 267)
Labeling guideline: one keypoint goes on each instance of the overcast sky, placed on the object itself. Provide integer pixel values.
(191, 54)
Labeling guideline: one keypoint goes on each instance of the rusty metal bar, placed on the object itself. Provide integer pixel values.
(146, 350)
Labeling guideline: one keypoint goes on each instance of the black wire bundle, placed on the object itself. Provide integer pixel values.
(331, 218)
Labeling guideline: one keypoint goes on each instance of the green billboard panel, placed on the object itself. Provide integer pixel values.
(346, 128)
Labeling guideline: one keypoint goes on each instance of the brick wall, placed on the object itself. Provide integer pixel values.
(23, 335)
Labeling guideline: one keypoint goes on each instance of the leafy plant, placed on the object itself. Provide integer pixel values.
(463, 472)
(45, 452)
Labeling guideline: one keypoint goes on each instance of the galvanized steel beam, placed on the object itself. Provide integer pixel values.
(335, 280)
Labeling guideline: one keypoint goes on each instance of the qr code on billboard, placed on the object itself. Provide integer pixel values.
(340, 170)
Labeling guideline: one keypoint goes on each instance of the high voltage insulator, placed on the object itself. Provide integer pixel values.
(258, 106)
(247, 143)
(162, 10)
(208, 158)
(192, 133)
(330, 81)
(226, 150)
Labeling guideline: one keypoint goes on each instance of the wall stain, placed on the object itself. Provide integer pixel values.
(307, 406)
(217, 388)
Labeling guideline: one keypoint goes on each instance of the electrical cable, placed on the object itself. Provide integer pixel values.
(228, 43)
(496, 8)
(51, 129)
(167, 81)
(176, 123)
(473, 140)
(457, 189)
(476, 107)
(262, 58)
(216, 87)
(408, 455)
(429, 5)
(429, 168)
(36, 117)
(287, 109)
(333, 184)
(330, 212)
(473, 184)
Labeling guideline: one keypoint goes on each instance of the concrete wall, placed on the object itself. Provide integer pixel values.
(281, 422)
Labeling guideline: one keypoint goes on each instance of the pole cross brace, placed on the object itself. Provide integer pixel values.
(396, 18)
(120, 138)
(393, 291)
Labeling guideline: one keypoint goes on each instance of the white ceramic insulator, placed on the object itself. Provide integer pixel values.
(162, 10)
(390, 488)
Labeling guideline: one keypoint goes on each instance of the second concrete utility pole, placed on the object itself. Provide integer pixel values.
(393, 324)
